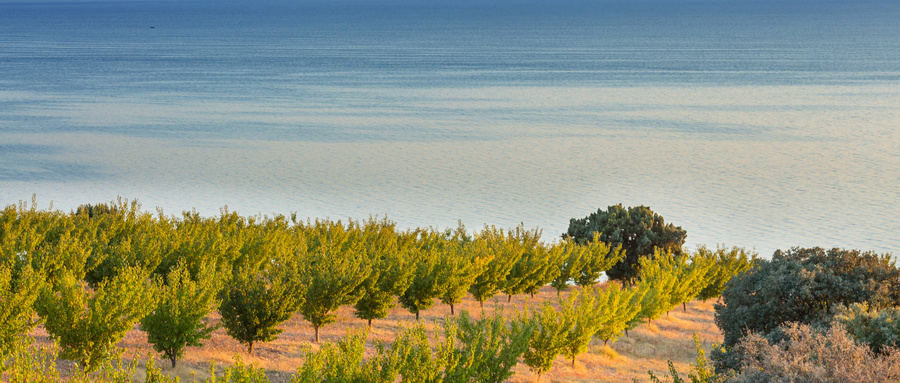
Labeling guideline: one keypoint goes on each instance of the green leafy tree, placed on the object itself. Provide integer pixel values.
(332, 276)
(619, 307)
(547, 341)
(125, 237)
(88, 325)
(726, 264)
(641, 302)
(456, 272)
(659, 277)
(572, 261)
(503, 250)
(598, 257)
(179, 319)
(691, 279)
(17, 296)
(391, 276)
(637, 229)
(425, 285)
(546, 261)
(255, 302)
(583, 319)
(530, 265)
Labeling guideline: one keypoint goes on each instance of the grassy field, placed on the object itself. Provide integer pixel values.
(649, 347)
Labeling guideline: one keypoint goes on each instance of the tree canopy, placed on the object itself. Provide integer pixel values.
(638, 230)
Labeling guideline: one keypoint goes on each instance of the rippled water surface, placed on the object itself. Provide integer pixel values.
(750, 123)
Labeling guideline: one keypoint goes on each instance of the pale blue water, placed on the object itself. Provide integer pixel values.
(765, 124)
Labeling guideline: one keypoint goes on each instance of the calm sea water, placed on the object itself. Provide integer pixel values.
(764, 124)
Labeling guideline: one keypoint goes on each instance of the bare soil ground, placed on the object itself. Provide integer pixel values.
(647, 348)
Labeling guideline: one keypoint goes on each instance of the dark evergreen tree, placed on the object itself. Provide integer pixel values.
(637, 229)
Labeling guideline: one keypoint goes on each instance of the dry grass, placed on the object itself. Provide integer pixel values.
(649, 347)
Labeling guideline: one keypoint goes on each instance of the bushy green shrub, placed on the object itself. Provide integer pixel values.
(343, 362)
(487, 349)
(238, 373)
(878, 328)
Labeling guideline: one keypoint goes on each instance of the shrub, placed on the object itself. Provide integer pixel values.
(343, 362)
(878, 328)
(809, 355)
(487, 348)
(238, 373)
(800, 285)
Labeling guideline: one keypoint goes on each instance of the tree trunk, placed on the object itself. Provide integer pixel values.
(451, 309)
(607, 340)
(684, 306)
(509, 298)
(480, 303)
(417, 315)
(370, 323)
(250, 348)
(573, 362)
(626, 332)
(317, 333)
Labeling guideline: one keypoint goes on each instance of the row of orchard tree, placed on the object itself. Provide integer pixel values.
(91, 274)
